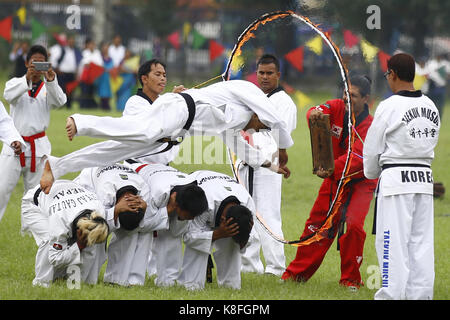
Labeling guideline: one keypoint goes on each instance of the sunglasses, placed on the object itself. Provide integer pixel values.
(385, 75)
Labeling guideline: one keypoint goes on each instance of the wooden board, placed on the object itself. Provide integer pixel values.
(321, 146)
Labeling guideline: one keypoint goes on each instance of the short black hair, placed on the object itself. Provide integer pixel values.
(146, 67)
(244, 218)
(403, 65)
(267, 59)
(363, 83)
(129, 220)
(192, 198)
(37, 48)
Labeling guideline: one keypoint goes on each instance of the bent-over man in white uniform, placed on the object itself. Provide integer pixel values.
(399, 148)
(132, 231)
(225, 226)
(31, 100)
(60, 223)
(263, 184)
(222, 109)
(168, 185)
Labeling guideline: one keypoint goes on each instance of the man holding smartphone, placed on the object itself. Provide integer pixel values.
(30, 97)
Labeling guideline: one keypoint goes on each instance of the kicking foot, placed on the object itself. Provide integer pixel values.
(71, 128)
(47, 178)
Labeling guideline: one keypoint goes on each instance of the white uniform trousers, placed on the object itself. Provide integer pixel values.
(267, 197)
(168, 258)
(405, 246)
(227, 257)
(10, 171)
(128, 254)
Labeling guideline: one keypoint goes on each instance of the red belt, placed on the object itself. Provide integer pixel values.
(31, 139)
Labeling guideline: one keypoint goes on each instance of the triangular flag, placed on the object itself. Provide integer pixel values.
(91, 72)
(174, 39)
(22, 14)
(37, 29)
(132, 63)
(369, 50)
(215, 50)
(350, 39)
(295, 57)
(186, 30)
(198, 40)
(315, 45)
(383, 58)
(5, 28)
(115, 83)
(236, 64)
(70, 86)
(301, 99)
(419, 81)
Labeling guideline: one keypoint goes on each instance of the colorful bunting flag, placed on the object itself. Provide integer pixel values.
(315, 45)
(70, 86)
(301, 99)
(383, 58)
(5, 28)
(174, 39)
(37, 29)
(91, 72)
(350, 39)
(198, 40)
(115, 83)
(22, 14)
(215, 50)
(369, 51)
(295, 57)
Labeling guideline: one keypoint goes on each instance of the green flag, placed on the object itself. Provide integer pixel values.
(198, 40)
(37, 29)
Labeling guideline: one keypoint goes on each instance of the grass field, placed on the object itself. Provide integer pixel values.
(17, 253)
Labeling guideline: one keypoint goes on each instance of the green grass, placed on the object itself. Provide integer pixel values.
(17, 253)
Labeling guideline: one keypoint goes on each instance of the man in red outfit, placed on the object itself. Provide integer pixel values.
(356, 198)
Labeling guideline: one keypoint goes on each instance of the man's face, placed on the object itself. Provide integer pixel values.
(155, 81)
(268, 77)
(358, 100)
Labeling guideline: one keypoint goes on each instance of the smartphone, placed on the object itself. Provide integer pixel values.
(41, 66)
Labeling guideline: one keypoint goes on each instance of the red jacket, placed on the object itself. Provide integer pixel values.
(339, 136)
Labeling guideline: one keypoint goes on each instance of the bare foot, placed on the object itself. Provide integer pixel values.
(47, 178)
(71, 128)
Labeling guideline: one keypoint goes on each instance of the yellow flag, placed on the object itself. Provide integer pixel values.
(315, 45)
(115, 83)
(301, 99)
(22, 14)
(369, 50)
(132, 63)
(419, 81)
(186, 30)
(237, 63)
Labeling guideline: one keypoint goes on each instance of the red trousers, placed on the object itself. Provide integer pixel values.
(356, 203)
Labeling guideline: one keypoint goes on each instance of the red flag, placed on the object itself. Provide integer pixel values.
(70, 86)
(91, 72)
(215, 50)
(5, 28)
(174, 39)
(350, 39)
(383, 57)
(61, 38)
(295, 57)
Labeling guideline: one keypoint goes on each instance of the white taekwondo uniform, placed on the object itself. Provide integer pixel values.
(222, 109)
(128, 250)
(49, 218)
(219, 189)
(399, 149)
(264, 186)
(8, 132)
(161, 180)
(137, 104)
(30, 111)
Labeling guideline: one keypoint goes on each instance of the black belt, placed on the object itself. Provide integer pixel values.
(394, 165)
(170, 143)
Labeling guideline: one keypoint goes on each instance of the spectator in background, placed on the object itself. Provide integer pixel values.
(18, 56)
(65, 58)
(103, 83)
(91, 55)
(128, 72)
(438, 73)
(116, 50)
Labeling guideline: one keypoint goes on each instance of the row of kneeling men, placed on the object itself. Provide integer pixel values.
(149, 210)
